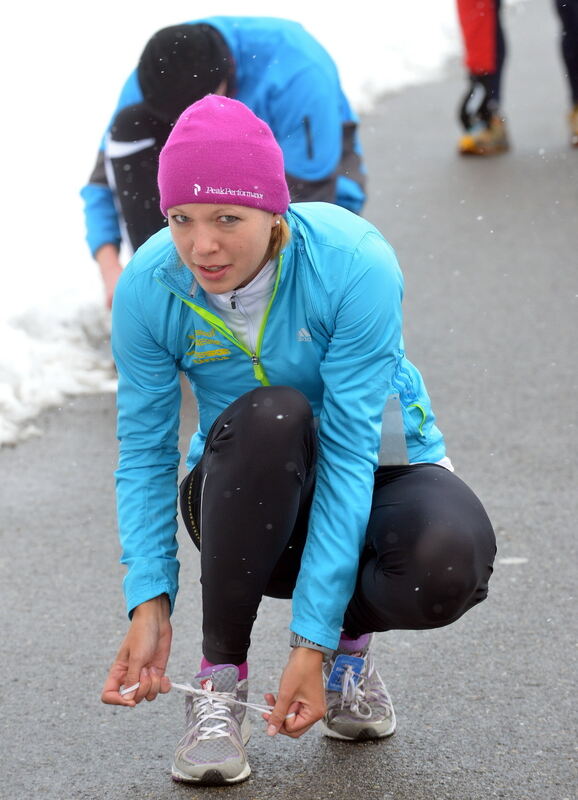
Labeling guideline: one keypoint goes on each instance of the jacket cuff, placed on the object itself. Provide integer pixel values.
(299, 641)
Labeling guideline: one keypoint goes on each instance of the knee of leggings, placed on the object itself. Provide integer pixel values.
(451, 591)
(454, 580)
(443, 609)
(270, 405)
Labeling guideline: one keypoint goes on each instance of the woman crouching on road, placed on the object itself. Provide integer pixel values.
(286, 321)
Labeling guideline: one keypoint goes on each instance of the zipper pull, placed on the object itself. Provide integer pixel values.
(233, 303)
(258, 370)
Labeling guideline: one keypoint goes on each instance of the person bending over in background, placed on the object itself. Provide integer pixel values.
(485, 51)
(286, 320)
(275, 67)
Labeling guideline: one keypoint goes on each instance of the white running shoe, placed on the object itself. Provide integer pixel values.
(212, 750)
(358, 704)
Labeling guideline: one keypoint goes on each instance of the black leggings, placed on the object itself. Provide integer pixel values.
(429, 548)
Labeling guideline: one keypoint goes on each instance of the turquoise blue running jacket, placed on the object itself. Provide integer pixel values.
(332, 330)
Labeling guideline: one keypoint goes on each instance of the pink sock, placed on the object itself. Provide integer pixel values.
(243, 668)
(354, 645)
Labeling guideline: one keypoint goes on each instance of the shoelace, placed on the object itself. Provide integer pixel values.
(353, 693)
(224, 697)
(213, 715)
(356, 696)
(227, 697)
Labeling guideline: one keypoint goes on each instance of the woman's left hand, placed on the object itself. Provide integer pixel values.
(301, 693)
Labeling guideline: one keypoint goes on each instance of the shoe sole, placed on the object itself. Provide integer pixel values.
(212, 777)
(364, 735)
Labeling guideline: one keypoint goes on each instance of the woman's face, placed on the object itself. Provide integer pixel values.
(224, 246)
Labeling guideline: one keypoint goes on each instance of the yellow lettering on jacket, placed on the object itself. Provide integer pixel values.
(200, 339)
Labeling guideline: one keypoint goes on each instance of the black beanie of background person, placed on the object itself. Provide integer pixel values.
(180, 65)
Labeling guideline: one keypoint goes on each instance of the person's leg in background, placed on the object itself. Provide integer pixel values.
(132, 155)
(246, 505)
(484, 56)
(428, 558)
(568, 13)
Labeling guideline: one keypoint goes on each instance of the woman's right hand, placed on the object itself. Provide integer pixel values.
(143, 656)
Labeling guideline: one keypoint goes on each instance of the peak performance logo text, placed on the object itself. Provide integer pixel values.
(227, 191)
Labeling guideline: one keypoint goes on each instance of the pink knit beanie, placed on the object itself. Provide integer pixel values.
(220, 152)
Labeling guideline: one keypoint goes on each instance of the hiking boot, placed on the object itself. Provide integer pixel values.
(358, 704)
(212, 751)
(574, 126)
(485, 138)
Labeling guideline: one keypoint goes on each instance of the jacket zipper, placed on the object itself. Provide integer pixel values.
(239, 307)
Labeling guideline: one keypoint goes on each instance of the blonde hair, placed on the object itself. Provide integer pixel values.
(280, 236)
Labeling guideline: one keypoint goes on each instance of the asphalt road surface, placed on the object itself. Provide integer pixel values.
(486, 707)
